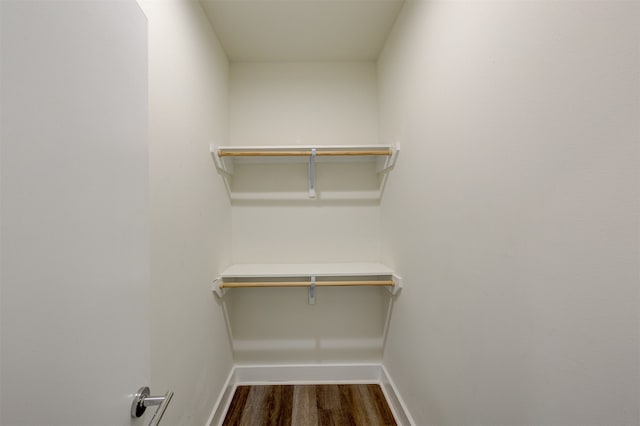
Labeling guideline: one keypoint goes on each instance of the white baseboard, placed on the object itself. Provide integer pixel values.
(307, 374)
(395, 401)
(224, 400)
(310, 374)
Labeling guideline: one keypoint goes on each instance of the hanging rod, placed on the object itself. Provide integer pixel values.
(247, 284)
(303, 153)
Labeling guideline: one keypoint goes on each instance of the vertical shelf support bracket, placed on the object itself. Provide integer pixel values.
(312, 291)
(397, 284)
(225, 169)
(312, 174)
(386, 164)
(217, 287)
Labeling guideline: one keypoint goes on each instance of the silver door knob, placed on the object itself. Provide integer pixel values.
(142, 400)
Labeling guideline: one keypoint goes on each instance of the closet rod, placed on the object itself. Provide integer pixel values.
(302, 153)
(240, 284)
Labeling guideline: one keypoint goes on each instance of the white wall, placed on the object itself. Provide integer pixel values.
(304, 104)
(190, 212)
(308, 103)
(74, 193)
(513, 211)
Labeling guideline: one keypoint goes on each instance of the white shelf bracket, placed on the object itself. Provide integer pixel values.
(224, 168)
(397, 284)
(312, 173)
(217, 289)
(390, 161)
(312, 291)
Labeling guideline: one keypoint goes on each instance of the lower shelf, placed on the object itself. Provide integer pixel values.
(332, 283)
(307, 275)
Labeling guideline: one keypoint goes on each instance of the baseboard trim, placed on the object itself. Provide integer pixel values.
(396, 403)
(224, 400)
(309, 374)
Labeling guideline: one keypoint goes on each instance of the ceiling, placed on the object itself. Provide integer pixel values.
(302, 30)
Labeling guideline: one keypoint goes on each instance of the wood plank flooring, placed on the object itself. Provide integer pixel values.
(309, 405)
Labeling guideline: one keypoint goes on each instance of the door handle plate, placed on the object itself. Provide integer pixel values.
(142, 400)
(137, 406)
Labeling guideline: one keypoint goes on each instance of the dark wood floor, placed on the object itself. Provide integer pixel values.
(309, 405)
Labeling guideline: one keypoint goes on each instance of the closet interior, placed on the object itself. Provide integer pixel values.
(305, 169)
(439, 198)
(388, 191)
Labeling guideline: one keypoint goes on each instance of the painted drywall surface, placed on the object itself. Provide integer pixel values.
(302, 31)
(512, 213)
(74, 194)
(190, 212)
(278, 326)
(305, 104)
(313, 232)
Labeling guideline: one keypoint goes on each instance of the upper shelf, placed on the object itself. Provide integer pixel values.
(279, 270)
(305, 151)
(345, 182)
